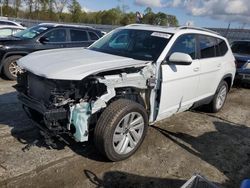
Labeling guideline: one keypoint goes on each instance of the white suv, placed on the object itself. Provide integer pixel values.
(131, 78)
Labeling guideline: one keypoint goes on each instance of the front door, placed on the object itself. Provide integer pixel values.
(179, 82)
(56, 38)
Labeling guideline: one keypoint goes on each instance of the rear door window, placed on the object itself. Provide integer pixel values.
(207, 46)
(78, 35)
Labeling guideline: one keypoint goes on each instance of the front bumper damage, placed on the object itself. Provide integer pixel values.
(72, 106)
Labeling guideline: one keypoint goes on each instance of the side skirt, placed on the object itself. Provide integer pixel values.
(201, 102)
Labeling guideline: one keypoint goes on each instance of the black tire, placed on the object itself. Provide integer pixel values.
(212, 107)
(107, 123)
(6, 67)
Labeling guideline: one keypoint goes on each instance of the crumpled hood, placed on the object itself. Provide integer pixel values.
(73, 63)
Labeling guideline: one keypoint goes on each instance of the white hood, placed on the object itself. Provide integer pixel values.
(73, 63)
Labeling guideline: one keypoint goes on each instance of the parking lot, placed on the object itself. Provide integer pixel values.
(216, 146)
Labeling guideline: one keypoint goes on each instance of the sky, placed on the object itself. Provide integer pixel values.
(201, 13)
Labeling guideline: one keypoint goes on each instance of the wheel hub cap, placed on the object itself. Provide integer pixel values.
(221, 97)
(14, 68)
(128, 133)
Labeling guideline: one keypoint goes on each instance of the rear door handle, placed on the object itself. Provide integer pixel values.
(219, 65)
(196, 69)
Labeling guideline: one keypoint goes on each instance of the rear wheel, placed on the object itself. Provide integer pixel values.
(121, 129)
(219, 98)
(10, 68)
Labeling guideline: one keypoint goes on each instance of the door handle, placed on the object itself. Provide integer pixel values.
(219, 65)
(196, 69)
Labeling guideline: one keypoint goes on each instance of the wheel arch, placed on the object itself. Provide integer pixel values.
(133, 94)
(228, 78)
(21, 53)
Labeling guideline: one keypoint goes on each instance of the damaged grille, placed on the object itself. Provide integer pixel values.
(48, 91)
(39, 88)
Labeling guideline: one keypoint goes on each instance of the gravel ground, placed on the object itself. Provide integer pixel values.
(214, 145)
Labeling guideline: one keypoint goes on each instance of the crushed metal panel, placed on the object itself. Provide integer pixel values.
(137, 80)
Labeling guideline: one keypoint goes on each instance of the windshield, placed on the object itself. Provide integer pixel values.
(31, 32)
(241, 47)
(136, 44)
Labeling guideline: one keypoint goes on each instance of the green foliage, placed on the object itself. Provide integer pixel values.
(158, 19)
(75, 10)
(54, 10)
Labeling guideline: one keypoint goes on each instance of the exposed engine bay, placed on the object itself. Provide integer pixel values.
(74, 106)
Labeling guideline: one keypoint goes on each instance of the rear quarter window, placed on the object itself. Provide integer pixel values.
(93, 36)
(221, 48)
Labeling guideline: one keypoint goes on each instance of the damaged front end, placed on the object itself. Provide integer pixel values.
(73, 107)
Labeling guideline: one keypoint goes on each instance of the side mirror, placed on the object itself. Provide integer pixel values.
(180, 58)
(43, 40)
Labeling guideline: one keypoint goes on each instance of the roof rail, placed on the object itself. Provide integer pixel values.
(137, 25)
(200, 29)
(63, 24)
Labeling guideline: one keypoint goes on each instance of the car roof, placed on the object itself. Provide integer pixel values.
(16, 23)
(65, 25)
(11, 27)
(173, 30)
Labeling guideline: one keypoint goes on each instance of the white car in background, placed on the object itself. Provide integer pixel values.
(7, 30)
(132, 77)
(10, 23)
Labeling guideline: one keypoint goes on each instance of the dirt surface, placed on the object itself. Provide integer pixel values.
(214, 145)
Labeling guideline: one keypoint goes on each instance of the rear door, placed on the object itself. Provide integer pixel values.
(78, 38)
(179, 82)
(211, 63)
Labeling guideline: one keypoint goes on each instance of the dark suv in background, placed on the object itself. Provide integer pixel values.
(241, 50)
(42, 37)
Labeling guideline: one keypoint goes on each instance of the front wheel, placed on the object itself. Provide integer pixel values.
(10, 68)
(219, 98)
(121, 129)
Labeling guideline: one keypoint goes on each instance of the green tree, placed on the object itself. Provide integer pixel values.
(29, 4)
(75, 10)
(59, 6)
(17, 5)
(148, 10)
(129, 18)
(112, 16)
(172, 20)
